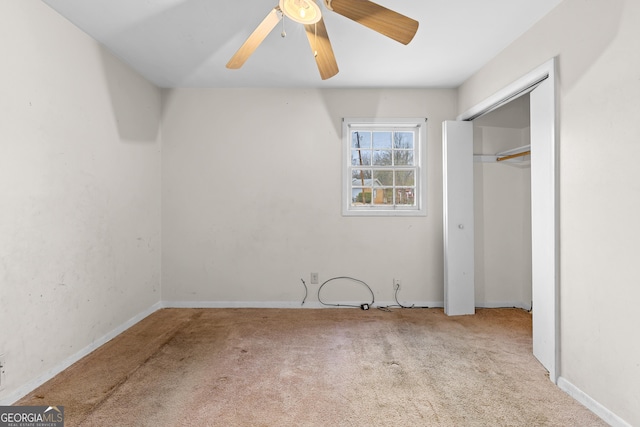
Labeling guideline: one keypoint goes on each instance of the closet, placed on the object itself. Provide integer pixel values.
(502, 206)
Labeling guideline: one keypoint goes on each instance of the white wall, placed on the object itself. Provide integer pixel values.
(598, 49)
(79, 193)
(251, 197)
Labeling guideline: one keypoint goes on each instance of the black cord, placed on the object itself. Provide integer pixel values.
(306, 291)
(345, 305)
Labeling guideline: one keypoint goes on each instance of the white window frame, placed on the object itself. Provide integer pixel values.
(418, 124)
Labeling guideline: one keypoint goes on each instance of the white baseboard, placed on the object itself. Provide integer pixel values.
(231, 304)
(317, 304)
(504, 304)
(288, 304)
(46, 376)
(410, 304)
(594, 406)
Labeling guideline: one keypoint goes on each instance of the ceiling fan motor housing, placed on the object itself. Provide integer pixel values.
(301, 11)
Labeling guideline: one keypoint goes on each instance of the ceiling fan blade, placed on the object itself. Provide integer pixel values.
(322, 50)
(254, 40)
(385, 21)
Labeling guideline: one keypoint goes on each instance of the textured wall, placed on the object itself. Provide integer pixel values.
(79, 192)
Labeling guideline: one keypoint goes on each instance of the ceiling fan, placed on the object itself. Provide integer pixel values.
(307, 12)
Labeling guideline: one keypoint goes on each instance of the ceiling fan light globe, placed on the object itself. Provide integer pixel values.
(301, 11)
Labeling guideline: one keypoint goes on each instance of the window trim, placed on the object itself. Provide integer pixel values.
(421, 161)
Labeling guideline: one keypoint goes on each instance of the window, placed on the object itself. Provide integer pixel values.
(383, 167)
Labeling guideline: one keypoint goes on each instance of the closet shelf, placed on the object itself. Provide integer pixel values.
(520, 156)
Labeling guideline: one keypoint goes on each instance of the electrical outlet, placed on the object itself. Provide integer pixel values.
(2, 372)
(314, 278)
(397, 283)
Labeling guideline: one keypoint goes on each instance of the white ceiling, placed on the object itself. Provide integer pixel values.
(186, 43)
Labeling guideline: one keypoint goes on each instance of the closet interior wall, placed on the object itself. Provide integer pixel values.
(502, 204)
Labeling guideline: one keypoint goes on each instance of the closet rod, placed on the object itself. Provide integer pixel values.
(513, 156)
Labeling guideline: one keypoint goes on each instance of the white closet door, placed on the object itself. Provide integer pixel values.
(457, 149)
(544, 239)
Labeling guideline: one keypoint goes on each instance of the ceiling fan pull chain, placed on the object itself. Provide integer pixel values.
(315, 42)
(283, 34)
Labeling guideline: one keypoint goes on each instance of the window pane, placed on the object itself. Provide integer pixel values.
(383, 196)
(381, 139)
(403, 158)
(361, 139)
(361, 158)
(382, 167)
(382, 158)
(403, 140)
(384, 177)
(360, 174)
(361, 196)
(405, 196)
(405, 178)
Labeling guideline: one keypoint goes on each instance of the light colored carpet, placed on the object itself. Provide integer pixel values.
(304, 367)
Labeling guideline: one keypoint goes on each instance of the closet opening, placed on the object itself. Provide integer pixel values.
(502, 206)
